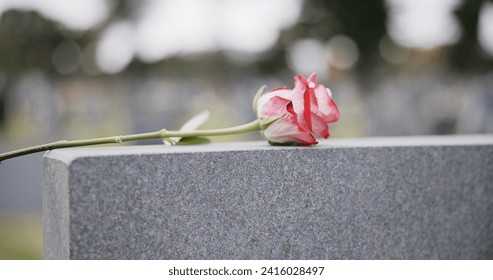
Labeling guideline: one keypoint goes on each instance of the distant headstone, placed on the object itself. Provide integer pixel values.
(373, 198)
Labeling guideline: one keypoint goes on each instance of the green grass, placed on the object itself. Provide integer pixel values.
(21, 237)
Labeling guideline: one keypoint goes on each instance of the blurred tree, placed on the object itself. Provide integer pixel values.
(467, 55)
(362, 21)
(26, 42)
(3, 92)
(29, 41)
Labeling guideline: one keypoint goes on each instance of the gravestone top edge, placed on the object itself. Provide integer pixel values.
(417, 197)
(70, 154)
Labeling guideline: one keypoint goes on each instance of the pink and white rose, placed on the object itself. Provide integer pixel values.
(300, 114)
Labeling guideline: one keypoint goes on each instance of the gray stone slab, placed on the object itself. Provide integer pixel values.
(373, 198)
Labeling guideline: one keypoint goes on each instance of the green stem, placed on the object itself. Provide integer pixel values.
(252, 126)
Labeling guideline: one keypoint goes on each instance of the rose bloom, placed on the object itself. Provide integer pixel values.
(302, 113)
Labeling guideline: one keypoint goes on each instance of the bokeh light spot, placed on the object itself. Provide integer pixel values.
(116, 47)
(307, 56)
(344, 52)
(66, 57)
(423, 24)
(485, 28)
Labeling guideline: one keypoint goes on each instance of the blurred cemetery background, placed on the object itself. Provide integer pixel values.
(89, 68)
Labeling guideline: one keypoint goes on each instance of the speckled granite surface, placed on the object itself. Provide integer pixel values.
(374, 198)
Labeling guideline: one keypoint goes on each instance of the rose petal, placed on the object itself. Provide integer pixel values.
(328, 91)
(320, 127)
(264, 99)
(287, 129)
(307, 110)
(274, 106)
(300, 100)
(327, 109)
(279, 88)
(312, 80)
(280, 132)
(300, 82)
(314, 101)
